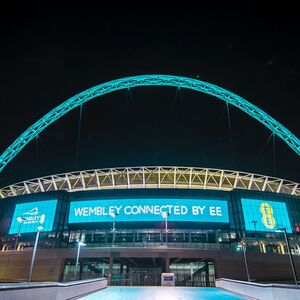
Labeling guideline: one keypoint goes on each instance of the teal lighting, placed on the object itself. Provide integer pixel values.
(148, 80)
(265, 215)
(33, 216)
(148, 209)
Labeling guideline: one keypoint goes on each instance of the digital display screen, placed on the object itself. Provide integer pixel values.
(264, 215)
(29, 216)
(140, 210)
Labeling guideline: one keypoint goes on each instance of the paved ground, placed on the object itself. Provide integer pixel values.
(162, 293)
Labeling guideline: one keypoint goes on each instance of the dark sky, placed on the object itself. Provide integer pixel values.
(50, 52)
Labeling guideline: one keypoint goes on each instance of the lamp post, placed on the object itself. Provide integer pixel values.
(245, 259)
(20, 220)
(165, 216)
(254, 223)
(217, 238)
(39, 229)
(113, 215)
(283, 229)
(77, 258)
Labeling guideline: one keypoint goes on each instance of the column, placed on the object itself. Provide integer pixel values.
(207, 274)
(167, 263)
(110, 269)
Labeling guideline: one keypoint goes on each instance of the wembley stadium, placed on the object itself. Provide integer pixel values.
(130, 224)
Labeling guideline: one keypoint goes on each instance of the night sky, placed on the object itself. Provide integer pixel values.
(50, 52)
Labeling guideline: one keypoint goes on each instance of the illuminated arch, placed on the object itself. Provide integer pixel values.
(148, 80)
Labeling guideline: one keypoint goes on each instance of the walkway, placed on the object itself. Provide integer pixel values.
(162, 293)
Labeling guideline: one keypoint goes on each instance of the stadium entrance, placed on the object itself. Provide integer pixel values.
(142, 271)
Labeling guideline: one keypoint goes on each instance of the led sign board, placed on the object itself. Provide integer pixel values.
(28, 216)
(149, 209)
(264, 215)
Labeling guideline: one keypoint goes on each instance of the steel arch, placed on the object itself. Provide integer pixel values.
(148, 80)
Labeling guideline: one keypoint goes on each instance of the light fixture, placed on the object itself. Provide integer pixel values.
(77, 257)
(283, 229)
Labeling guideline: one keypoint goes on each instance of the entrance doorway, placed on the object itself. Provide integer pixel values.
(143, 271)
(146, 271)
(148, 276)
(191, 272)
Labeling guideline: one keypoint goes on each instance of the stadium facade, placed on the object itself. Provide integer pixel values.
(132, 224)
(136, 223)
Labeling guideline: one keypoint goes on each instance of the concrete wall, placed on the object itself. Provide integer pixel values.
(14, 265)
(260, 291)
(262, 266)
(50, 291)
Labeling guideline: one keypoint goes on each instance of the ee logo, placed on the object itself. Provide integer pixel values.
(268, 218)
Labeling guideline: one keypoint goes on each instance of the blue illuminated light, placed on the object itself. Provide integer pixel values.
(264, 215)
(148, 80)
(28, 216)
(139, 210)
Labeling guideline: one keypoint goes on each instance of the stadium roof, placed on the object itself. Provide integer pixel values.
(152, 177)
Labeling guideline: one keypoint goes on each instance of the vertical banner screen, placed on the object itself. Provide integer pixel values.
(28, 216)
(264, 215)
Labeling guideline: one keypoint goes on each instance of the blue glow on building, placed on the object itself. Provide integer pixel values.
(264, 215)
(149, 209)
(28, 216)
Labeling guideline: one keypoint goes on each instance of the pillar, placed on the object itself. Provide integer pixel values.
(207, 274)
(110, 269)
(167, 263)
